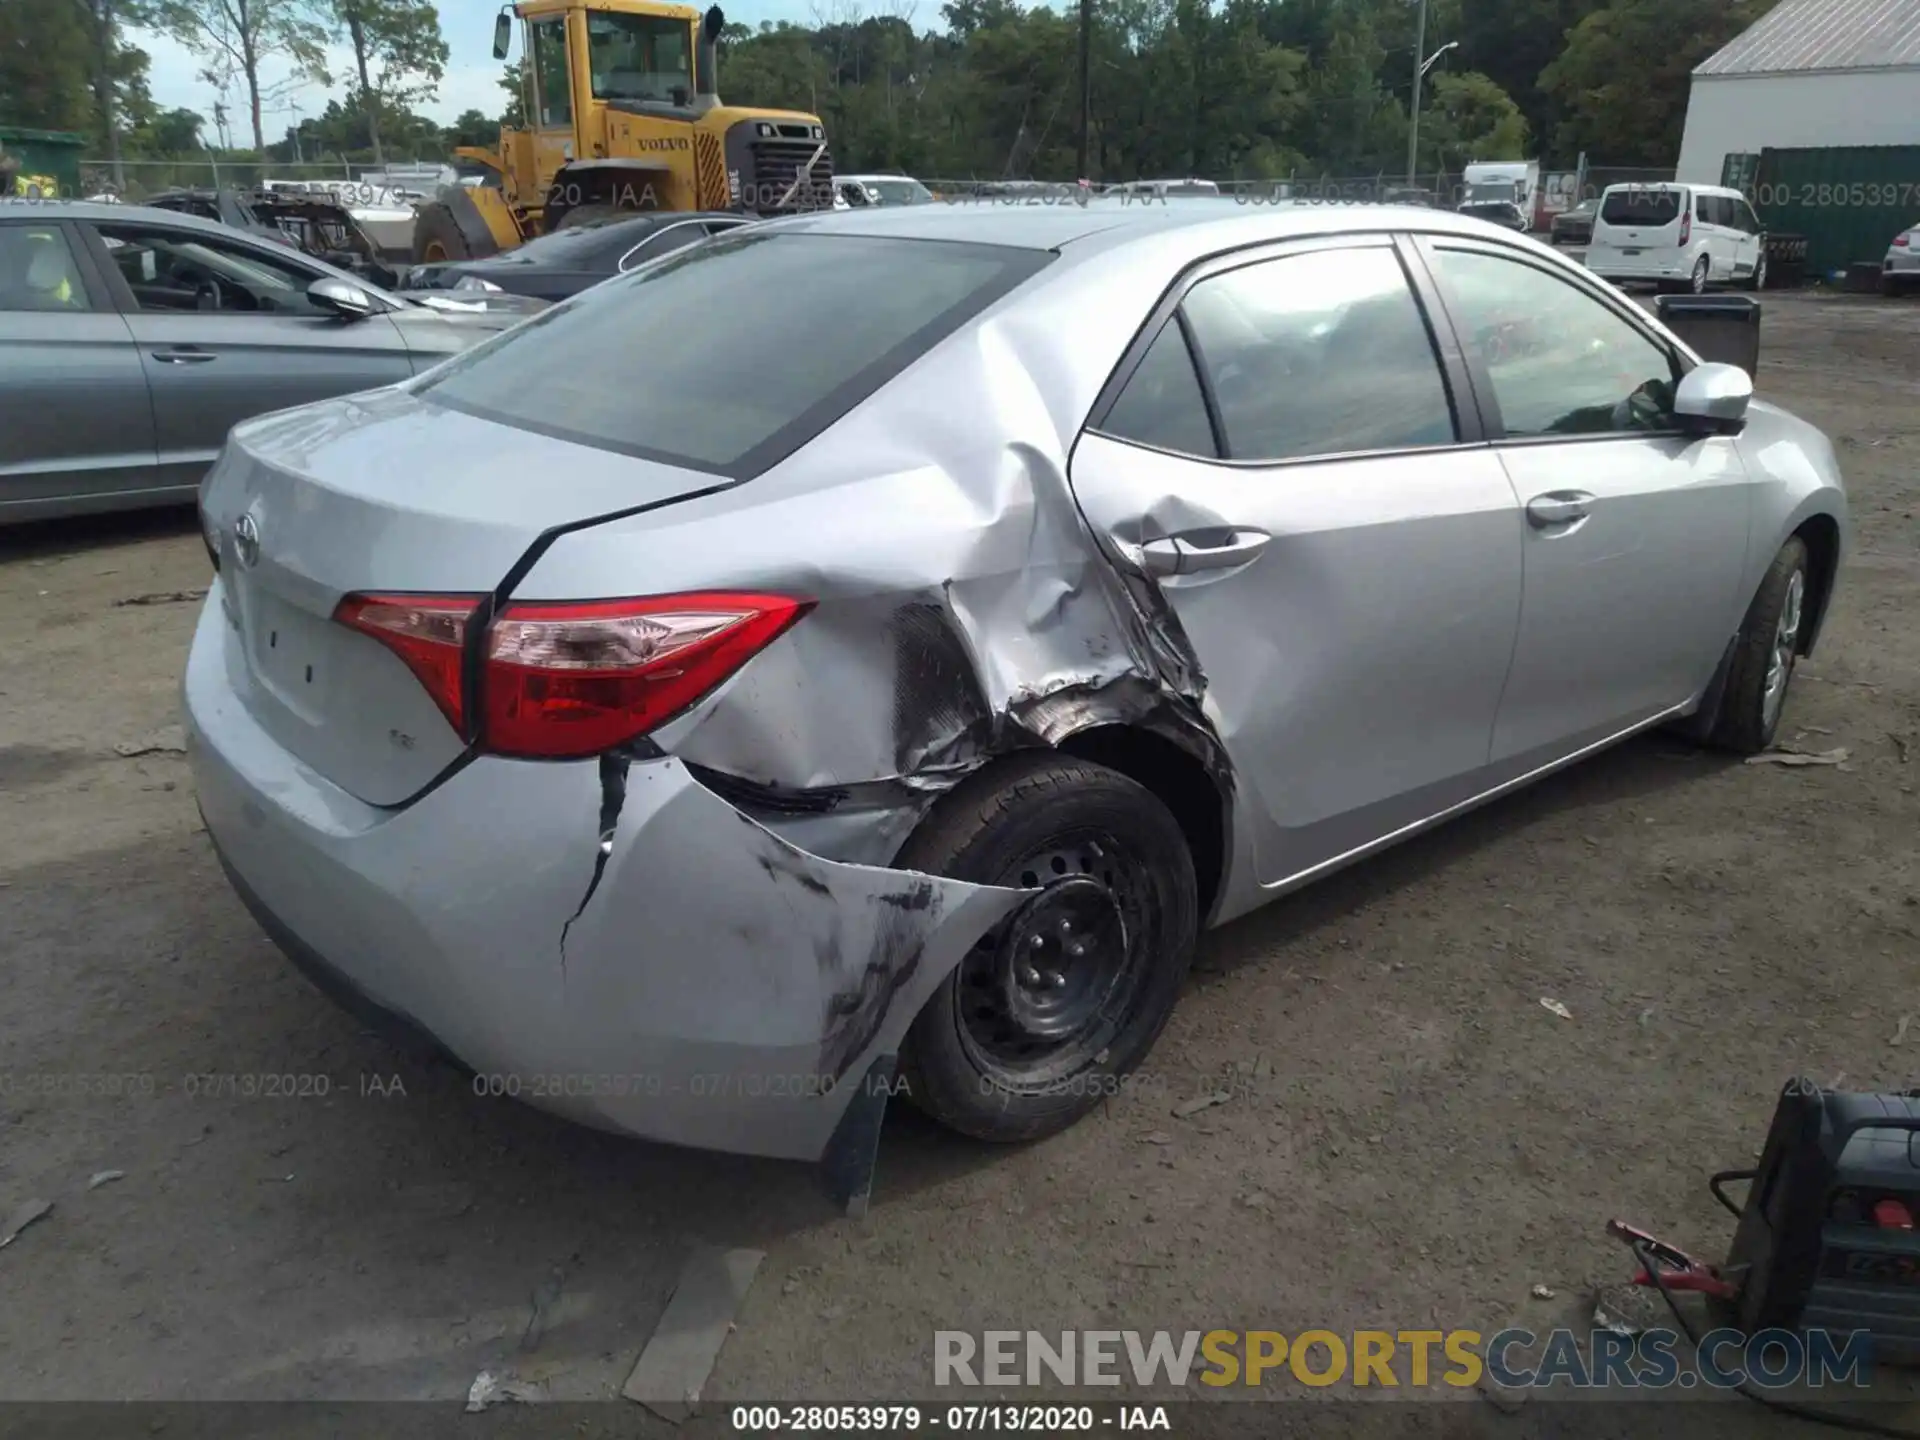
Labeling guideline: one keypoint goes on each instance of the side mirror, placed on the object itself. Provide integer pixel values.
(502, 35)
(341, 297)
(1712, 399)
(712, 24)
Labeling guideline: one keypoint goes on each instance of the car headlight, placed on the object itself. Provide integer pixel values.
(474, 282)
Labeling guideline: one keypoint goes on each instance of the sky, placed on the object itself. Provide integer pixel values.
(471, 81)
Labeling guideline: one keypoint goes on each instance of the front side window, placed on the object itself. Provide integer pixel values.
(1322, 353)
(549, 48)
(181, 270)
(37, 270)
(749, 383)
(639, 57)
(1561, 362)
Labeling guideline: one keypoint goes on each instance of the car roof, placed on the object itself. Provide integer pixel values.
(1205, 223)
(106, 212)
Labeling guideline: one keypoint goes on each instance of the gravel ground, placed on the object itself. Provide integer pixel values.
(1410, 1139)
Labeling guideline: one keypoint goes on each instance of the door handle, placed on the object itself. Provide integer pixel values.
(184, 357)
(1560, 507)
(1219, 549)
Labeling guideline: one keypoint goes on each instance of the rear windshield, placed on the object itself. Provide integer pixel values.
(1642, 207)
(732, 354)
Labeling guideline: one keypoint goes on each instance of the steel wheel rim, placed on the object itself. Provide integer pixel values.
(1760, 272)
(1700, 276)
(1029, 1014)
(435, 253)
(1786, 635)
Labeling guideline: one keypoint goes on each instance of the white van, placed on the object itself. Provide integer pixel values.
(1679, 236)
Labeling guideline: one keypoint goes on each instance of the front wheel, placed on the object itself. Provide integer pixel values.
(1764, 654)
(1702, 270)
(1054, 1005)
(1758, 280)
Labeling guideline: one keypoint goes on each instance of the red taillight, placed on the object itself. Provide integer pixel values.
(429, 632)
(566, 679)
(1686, 226)
(1901, 238)
(579, 678)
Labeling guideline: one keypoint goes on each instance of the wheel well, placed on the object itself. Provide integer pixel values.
(1178, 780)
(1821, 535)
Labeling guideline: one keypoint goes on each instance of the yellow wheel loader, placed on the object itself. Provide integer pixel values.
(622, 114)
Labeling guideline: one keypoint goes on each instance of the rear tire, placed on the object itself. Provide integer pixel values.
(1763, 656)
(1045, 1014)
(437, 237)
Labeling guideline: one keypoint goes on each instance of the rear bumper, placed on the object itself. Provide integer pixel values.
(715, 987)
(1612, 265)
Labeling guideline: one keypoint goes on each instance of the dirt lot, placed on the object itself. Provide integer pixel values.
(1411, 1139)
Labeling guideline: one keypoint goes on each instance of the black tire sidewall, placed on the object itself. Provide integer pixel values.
(1701, 276)
(1013, 813)
(1742, 725)
(434, 221)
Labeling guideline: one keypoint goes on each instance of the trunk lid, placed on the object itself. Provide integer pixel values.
(384, 492)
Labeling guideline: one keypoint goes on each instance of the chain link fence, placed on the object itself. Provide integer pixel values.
(144, 179)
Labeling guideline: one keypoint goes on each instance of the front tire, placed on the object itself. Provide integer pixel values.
(1758, 280)
(1702, 272)
(1764, 654)
(1052, 1007)
(437, 237)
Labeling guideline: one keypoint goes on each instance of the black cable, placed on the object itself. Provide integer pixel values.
(1715, 1182)
(1783, 1407)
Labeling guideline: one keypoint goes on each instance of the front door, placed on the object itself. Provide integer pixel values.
(1635, 534)
(1342, 557)
(225, 332)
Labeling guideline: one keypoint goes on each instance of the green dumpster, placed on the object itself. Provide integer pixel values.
(45, 155)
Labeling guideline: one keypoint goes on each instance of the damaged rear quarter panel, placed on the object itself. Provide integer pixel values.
(964, 609)
(748, 983)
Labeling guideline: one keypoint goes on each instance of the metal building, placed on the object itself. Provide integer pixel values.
(1809, 74)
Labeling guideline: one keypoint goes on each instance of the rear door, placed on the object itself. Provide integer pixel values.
(1293, 462)
(1635, 534)
(225, 332)
(1638, 227)
(75, 418)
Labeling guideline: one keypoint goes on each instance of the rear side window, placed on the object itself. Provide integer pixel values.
(729, 356)
(1322, 353)
(1163, 405)
(1642, 208)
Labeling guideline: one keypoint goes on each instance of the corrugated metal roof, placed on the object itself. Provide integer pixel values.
(1823, 35)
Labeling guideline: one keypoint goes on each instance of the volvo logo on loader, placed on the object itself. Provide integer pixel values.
(668, 143)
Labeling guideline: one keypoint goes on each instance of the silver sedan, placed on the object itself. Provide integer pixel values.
(132, 339)
(984, 601)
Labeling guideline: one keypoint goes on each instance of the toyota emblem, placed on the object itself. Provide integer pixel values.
(246, 541)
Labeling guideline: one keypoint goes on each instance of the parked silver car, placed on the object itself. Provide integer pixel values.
(917, 664)
(132, 339)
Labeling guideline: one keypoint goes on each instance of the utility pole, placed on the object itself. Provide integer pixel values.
(1413, 111)
(1086, 83)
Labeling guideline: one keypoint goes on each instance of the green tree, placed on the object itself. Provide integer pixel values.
(236, 37)
(1623, 80)
(514, 81)
(173, 132)
(399, 56)
(471, 127)
(1469, 117)
(46, 65)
